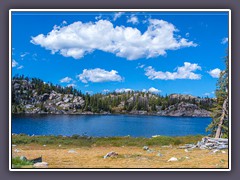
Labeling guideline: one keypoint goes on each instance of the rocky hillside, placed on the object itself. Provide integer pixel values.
(184, 109)
(33, 96)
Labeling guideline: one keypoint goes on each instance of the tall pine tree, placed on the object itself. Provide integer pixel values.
(219, 125)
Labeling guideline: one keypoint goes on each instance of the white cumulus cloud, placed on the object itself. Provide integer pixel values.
(224, 40)
(183, 72)
(14, 63)
(215, 73)
(20, 67)
(78, 39)
(106, 90)
(99, 75)
(66, 80)
(140, 66)
(117, 15)
(24, 54)
(154, 90)
(64, 22)
(123, 90)
(133, 19)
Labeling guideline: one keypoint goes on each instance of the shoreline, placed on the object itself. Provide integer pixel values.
(126, 136)
(84, 140)
(101, 114)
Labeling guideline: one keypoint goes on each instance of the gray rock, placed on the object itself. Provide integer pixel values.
(172, 159)
(17, 150)
(213, 143)
(23, 158)
(59, 103)
(67, 100)
(72, 151)
(138, 112)
(222, 147)
(215, 151)
(159, 154)
(209, 144)
(110, 154)
(40, 165)
(145, 148)
(29, 106)
(65, 106)
(150, 150)
(184, 109)
(16, 86)
(170, 146)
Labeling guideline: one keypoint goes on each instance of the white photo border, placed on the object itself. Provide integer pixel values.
(116, 10)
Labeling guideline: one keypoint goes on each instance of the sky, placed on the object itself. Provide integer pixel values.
(100, 52)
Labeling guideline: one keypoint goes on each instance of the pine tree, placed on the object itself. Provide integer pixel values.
(219, 125)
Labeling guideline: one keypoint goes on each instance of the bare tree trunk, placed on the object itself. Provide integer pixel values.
(224, 110)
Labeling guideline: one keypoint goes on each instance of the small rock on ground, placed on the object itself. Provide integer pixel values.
(17, 150)
(40, 165)
(71, 151)
(150, 150)
(215, 151)
(110, 154)
(145, 148)
(170, 146)
(23, 158)
(172, 159)
(159, 154)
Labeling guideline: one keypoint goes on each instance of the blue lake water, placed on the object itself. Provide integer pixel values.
(108, 125)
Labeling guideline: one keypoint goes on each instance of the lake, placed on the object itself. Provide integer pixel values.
(108, 125)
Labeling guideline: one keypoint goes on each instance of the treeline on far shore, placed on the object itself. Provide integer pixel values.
(34, 94)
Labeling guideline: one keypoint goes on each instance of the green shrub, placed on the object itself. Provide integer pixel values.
(18, 163)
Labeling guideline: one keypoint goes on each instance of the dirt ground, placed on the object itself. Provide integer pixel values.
(128, 157)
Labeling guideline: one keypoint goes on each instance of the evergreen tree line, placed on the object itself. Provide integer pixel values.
(109, 102)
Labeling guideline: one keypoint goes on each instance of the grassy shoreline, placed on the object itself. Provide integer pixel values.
(87, 141)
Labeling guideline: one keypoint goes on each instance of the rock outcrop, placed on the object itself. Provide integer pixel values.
(35, 97)
(184, 109)
(26, 96)
(208, 143)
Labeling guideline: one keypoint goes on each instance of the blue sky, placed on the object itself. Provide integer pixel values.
(160, 52)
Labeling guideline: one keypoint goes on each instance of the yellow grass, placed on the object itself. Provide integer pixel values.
(129, 157)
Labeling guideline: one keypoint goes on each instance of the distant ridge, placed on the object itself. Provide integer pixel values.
(33, 96)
